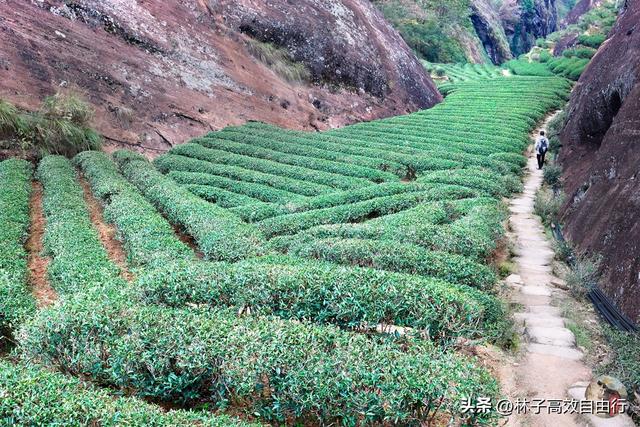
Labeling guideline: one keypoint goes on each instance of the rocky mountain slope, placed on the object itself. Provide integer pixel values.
(159, 73)
(538, 19)
(581, 7)
(601, 157)
(472, 30)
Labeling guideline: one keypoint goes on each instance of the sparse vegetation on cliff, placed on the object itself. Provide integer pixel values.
(61, 126)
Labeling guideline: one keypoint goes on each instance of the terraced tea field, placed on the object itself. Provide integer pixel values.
(266, 268)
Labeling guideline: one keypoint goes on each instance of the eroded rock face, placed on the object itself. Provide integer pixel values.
(486, 21)
(582, 7)
(539, 18)
(159, 73)
(601, 160)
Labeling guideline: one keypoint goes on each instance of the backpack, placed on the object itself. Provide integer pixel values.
(544, 145)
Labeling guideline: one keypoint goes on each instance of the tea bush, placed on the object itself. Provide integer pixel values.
(16, 301)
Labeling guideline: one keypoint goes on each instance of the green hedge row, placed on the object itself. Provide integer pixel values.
(485, 182)
(220, 234)
(33, 396)
(222, 198)
(360, 211)
(259, 192)
(16, 301)
(78, 258)
(147, 237)
(305, 144)
(395, 256)
(305, 175)
(474, 235)
(365, 143)
(432, 158)
(339, 198)
(253, 146)
(322, 293)
(278, 370)
(170, 162)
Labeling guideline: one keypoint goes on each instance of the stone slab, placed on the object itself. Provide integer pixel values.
(551, 336)
(563, 352)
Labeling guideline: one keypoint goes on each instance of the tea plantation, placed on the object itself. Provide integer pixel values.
(302, 248)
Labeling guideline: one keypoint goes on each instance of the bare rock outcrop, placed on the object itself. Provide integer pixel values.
(488, 26)
(538, 18)
(582, 7)
(159, 73)
(601, 157)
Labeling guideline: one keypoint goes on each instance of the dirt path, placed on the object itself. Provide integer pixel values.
(106, 232)
(42, 290)
(550, 364)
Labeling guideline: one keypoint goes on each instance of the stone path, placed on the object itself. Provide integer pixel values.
(551, 364)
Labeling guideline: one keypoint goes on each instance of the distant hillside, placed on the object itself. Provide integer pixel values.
(473, 30)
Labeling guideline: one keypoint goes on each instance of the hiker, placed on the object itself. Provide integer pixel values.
(542, 146)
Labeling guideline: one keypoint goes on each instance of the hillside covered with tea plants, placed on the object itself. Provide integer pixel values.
(268, 275)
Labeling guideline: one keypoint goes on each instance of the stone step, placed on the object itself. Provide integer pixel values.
(531, 300)
(536, 290)
(535, 278)
(552, 350)
(541, 320)
(550, 310)
(562, 337)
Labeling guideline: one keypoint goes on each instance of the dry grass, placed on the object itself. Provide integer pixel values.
(279, 60)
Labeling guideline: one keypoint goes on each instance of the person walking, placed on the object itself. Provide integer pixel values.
(541, 147)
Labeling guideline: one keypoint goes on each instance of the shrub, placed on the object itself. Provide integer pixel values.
(78, 259)
(583, 275)
(473, 235)
(67, 106)
(304, 174)
(625, 365)
(593, 41)
(356, 212)
(220, 235)
(553, 175)
(488, 183)
(279, 60)
(545, 56)
(547, 206)
(11, 122)
(252, 145)
(259, 192)
(147, 237)
(35, 396)
(16, 301)
(396, 256)
(585, 53)
(223, 198)
(171, 162)
(60, 127)
(275, 369)
(524, 68)
(323, 293)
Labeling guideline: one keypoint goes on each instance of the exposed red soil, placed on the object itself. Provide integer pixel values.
(42, 290)
(188, 240)
(106, 232)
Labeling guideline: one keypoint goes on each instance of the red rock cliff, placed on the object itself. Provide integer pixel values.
(601, 159)
(160, 72)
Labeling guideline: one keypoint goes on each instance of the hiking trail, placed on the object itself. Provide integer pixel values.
(550, 365)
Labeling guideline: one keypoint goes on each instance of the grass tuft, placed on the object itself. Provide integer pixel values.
(279, 60)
